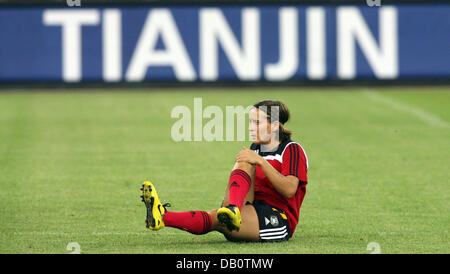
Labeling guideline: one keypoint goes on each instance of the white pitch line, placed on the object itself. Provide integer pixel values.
(426, 117)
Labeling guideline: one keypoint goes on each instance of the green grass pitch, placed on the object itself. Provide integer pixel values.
(71, 164)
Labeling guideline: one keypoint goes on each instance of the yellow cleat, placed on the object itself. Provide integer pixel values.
(155, 210)
(230, 216)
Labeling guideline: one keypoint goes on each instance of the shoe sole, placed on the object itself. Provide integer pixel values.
(149, 201)
(224, 217)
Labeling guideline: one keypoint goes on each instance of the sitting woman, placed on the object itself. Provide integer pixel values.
(265, 190)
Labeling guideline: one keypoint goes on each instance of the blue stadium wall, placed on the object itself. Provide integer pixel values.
(219, 42)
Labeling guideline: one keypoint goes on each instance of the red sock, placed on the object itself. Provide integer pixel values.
(195, 222)
(239, 185)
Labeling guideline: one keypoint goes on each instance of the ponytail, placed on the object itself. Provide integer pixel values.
(285, 134)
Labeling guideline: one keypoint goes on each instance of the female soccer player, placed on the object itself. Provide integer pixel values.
(265, 190)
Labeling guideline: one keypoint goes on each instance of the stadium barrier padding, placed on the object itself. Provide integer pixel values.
(217, 42)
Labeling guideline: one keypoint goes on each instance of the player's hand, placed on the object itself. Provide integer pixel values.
(249, 156)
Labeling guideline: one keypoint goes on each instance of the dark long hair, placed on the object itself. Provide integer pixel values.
(283, 116)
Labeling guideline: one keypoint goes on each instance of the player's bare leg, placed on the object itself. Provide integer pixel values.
(224, 219)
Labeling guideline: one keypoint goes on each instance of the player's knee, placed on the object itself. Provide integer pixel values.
(247, 167)
(243, 165)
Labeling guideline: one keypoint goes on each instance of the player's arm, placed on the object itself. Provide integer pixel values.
(285, 185)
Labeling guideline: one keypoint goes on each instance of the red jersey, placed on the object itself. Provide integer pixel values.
(288, 159)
